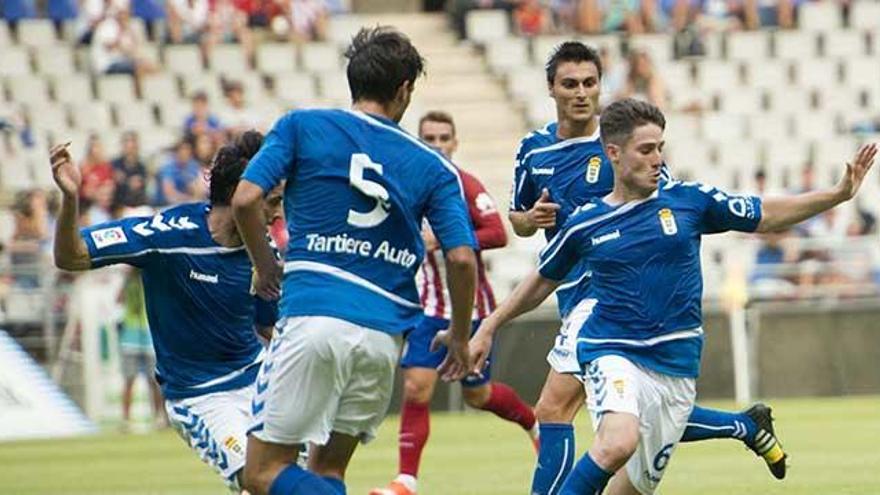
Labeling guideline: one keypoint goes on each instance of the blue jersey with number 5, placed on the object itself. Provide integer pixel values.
(357, 189)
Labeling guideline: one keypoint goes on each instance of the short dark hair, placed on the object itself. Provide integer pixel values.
(571, 51)
(380, 59)
(619, 120)
(228, 165)
(437, 116)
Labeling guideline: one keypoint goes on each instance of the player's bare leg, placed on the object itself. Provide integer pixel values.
(621, 485)
(616, 441)
(269, 463)
(330, 461)
(561, 398)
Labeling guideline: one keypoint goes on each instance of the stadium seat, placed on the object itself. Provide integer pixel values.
(483, 26)
(202, 81)
(526, 82)
(173, 113)
(73, 88)
(681, 127)
(839, 100)
(135, 115)
(342, 28)
(819, 16)
(543, 46)
(795, 45)
(768, 75)
(38, 159)
(48, 117)
(736, 155)
(748, 45)
(276, 58)
(769, 126)
(540, 111)
(14, 61)
(503, 55)
(780, 157)
(610, 42)
(834, 151)
(228, 59)
(861, 72)
(721, 127)
(54, 60)
(15, 174)
(658, 46)
(333, 85)
(817, 73)
(159, 140)
(36, 32)
(717, 75)
(690, 158)
(790, 100)
(28, 89)
(183, 59)
(294, 87)
(713, 44)
(160, 87)
(319, 57)
(5, 37)
(812, 128)
(842, 44)
(744, 100)
(865, 16)
(92, 116)
(115, 88)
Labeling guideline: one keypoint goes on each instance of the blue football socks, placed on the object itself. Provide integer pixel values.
(555, 457)
(587, 478)
(704, 424)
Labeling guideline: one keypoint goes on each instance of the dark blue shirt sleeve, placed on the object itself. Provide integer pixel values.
(129, 241)
(562, 253)
(265, 312)
(448, 214)
(723, 212)
(274, 162)
(523, 191)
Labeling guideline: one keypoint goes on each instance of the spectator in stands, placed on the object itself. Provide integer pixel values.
(532, 18)
(96, 169)
(61, 11)
(129, 173)
(91, 13)
(30, 237)
(774, 13)
(614, 75)
(116, 46)
(597, 16)
(136, 349)
(203, 149)
(228, 23)
(188, 22)
(236, 115)
(458, 11)
(771, 278)
(301, 20)
(16, 10)
(101, 209)
(642, 81)
(178, 180)
(152, 12)
(201, 120)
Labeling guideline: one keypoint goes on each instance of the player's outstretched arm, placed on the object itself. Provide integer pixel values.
(248, 213)
(541, 216)
(783, 212)
(70, 250)
(461, 275)
(530, 293)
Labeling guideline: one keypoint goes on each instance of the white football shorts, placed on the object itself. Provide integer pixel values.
(563, 356)
(215, 425)
(662, 403)
(321, 375)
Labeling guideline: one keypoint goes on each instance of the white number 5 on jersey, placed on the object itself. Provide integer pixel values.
(379, 213)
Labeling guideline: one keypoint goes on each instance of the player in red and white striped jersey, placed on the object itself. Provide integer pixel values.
(418, 360)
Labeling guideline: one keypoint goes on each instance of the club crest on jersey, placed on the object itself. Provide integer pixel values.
(594, 166)
(619, 387)
(667, 221)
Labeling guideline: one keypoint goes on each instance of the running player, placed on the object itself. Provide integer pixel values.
(558, 168)
(641, 338)
(418, 360)
(202, 318)
(358, 187)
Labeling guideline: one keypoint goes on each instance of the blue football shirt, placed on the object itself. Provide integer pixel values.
(358, 187)
(646, 274)
(199, 307)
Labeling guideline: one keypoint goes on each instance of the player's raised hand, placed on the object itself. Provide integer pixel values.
(456, 365)
(543, 213)
(856, 170)
(65, 173)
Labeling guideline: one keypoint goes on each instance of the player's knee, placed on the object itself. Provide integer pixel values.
(419, 391)
(254, 480)
(476, 397)
(612, 451)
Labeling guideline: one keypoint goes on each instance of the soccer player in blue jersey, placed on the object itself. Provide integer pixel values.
(641, 339)
(202, 317)
(558, 168)
(358, 187)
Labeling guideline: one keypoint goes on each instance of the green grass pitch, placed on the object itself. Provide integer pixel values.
(833, 445)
